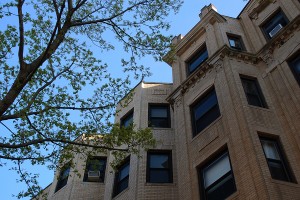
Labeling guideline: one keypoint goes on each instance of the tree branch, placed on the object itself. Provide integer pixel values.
(79, 22)
(21, 32)
(26, 158)
(22, 114)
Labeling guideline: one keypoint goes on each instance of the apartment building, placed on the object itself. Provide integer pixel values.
(228, 127)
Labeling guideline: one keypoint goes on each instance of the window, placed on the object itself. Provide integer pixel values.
(216, 179)
(295, 66)
(122, 177)
(205, 111)
(63, 177)
(276, 162)
(197, 60)
(127, 119)
(253, 92)
(235, 42)
(159, 167)
(275, 24)
(159, 116)
(95, 169)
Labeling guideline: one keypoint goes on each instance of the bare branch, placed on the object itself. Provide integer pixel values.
(52, 140)
(58, 14)
(26, 158)
(79, 4)
(79, 22)
(21, 32)
(21, 114)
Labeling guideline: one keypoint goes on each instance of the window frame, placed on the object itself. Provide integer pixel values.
(127, 116)
(225, 177)
(236, 38)
(116, 189)
(263, 26)
(259, 93)
(102, 177)
(283, 159)
(194, 57)
(167, 120)
(201, 100)
(291, 63)
(63, 181)
(169, 169)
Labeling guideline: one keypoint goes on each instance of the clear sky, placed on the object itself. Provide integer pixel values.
(181, 23)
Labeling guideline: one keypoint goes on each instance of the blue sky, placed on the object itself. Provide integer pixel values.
(181, 23)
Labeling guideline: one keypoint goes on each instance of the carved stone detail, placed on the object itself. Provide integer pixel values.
(268, 57)
(178, 101)
(159, 92)
(218, 65)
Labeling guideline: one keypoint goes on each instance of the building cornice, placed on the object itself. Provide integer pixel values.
(197, 31)
(212, 63)
(280, 39)
(261, 5)
(264, 54)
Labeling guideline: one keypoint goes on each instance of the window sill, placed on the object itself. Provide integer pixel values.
(58, 191)
(292, 184)
(259, 108)
(121, 193)
(208, 127)
(160, 184)
(233, 196)
(160, 128)
(93, 182)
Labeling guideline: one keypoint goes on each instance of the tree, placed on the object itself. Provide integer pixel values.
(47, 67)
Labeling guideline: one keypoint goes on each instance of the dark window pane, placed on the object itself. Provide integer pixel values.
(159, 161)
(159, 116)
(198, 60)
(63, 177)
(217, 181)
(207, 119)
(95, 164)
(272, 26)
(127, 119)
(123, 184)
(124, 172)
(253, 92)
(122, 177)
(277, 171)
(270, 149)
(159, 122)
(222, 189)
(216, 170)
(159, 167)
(295, 67)
(235, 42)
(205, 112)
(277, 163)
(159, 176)
(159, 112)
(205, 105)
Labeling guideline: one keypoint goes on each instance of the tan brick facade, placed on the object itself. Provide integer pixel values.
(239, 126)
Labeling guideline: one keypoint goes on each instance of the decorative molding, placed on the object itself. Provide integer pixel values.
(268, 58)
(215, 62)
(262, 4)
(218, 65)
(240, 55)
(178, 101)
(266, 54)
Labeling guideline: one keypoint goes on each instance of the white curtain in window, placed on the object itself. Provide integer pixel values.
(216, 170)
(270, 149)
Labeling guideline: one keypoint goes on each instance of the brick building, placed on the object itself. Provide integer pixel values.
(227, 127)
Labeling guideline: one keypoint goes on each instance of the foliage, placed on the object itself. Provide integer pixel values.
(52, 86)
